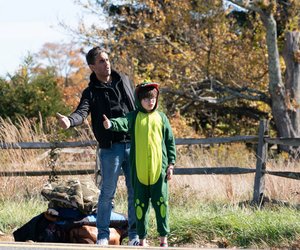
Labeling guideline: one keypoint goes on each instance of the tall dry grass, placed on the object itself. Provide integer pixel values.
(234, 188)
(207, 188)
(25, 130)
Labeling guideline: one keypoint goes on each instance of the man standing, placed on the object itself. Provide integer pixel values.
(109, 93)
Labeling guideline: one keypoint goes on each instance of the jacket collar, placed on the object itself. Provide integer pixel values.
(94, 82)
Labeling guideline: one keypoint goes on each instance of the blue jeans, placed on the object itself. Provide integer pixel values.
(112, 160)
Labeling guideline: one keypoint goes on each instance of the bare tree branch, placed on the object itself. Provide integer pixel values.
(246, 4)
(207, 91)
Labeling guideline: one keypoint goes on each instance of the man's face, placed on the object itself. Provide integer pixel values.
(102, 65)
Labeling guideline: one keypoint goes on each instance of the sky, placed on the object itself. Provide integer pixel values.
(26, 25)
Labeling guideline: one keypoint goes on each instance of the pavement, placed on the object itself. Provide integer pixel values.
(67, 246)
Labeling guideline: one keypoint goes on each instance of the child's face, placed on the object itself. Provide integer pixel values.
(148, 103)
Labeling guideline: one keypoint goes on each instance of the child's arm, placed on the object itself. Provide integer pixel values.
(171, 148)
(169, 142)
(120, 124)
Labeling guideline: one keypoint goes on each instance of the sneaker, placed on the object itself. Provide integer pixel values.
(102, 242)
(134, 242)
(145, 245)
(163, 245)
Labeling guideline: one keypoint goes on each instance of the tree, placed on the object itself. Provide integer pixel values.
(291, 55)
(217, 66)
(69, 68)
(195, 51)
(29, 94)
(285, 97)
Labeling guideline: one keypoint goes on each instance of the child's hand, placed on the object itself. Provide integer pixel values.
(170, 172)
(106, 122)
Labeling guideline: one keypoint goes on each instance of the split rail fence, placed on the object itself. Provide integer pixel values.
(262, 141)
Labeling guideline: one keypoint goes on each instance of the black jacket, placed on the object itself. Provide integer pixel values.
(99, 99)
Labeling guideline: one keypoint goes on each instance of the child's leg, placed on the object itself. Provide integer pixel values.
(163, 241)
(142, 218)
(160, 204)
(142, 209)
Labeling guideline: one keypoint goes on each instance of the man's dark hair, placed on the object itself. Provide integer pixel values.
(93, 53)
(147, 92)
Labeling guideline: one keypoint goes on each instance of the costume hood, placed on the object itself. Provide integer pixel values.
(145, 85)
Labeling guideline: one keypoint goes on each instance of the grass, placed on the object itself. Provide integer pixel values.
(232, 226)
(15, 213)
(195, 224)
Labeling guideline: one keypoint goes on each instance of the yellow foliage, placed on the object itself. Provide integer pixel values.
(180, 127)
(182, 44)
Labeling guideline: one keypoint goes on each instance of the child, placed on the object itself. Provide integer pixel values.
(152, 157)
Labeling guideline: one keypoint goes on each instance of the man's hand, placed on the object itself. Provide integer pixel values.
(106, 122)
(63, 121)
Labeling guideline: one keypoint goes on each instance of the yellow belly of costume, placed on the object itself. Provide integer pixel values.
(148, 142)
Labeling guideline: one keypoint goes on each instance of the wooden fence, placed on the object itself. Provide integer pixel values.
(260, 171)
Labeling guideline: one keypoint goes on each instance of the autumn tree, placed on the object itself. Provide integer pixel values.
(218, 66)
(195, 49)
(68, 64)
(285, 96)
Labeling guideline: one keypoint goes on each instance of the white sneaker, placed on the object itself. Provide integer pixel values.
(102, 242)
(134, 242)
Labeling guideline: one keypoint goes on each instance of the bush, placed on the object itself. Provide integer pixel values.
(30, 96)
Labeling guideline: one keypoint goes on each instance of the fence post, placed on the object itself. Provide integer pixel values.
(262, 151)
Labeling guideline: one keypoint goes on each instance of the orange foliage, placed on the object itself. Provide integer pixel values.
(70, 68)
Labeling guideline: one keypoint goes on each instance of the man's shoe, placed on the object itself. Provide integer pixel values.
(102, 242)
(134, 242)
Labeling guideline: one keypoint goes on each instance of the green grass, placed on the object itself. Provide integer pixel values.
(15, 213)
(234, 226)
(195, 224)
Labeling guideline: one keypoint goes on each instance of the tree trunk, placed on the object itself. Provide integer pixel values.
(291, 55)
(285, 98)
(280, 109)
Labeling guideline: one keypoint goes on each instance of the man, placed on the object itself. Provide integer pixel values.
(109, 93)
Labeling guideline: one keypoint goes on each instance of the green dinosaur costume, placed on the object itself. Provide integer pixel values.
(152, 151)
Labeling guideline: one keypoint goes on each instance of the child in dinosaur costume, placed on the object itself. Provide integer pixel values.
(152, 158)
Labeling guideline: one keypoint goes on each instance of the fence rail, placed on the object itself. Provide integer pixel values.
(179, 141)
(177, 171)
(262, 140)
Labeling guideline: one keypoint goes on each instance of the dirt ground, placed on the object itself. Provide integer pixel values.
(6, 237)
(295, 245)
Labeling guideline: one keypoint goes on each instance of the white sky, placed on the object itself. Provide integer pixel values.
(25, 25)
